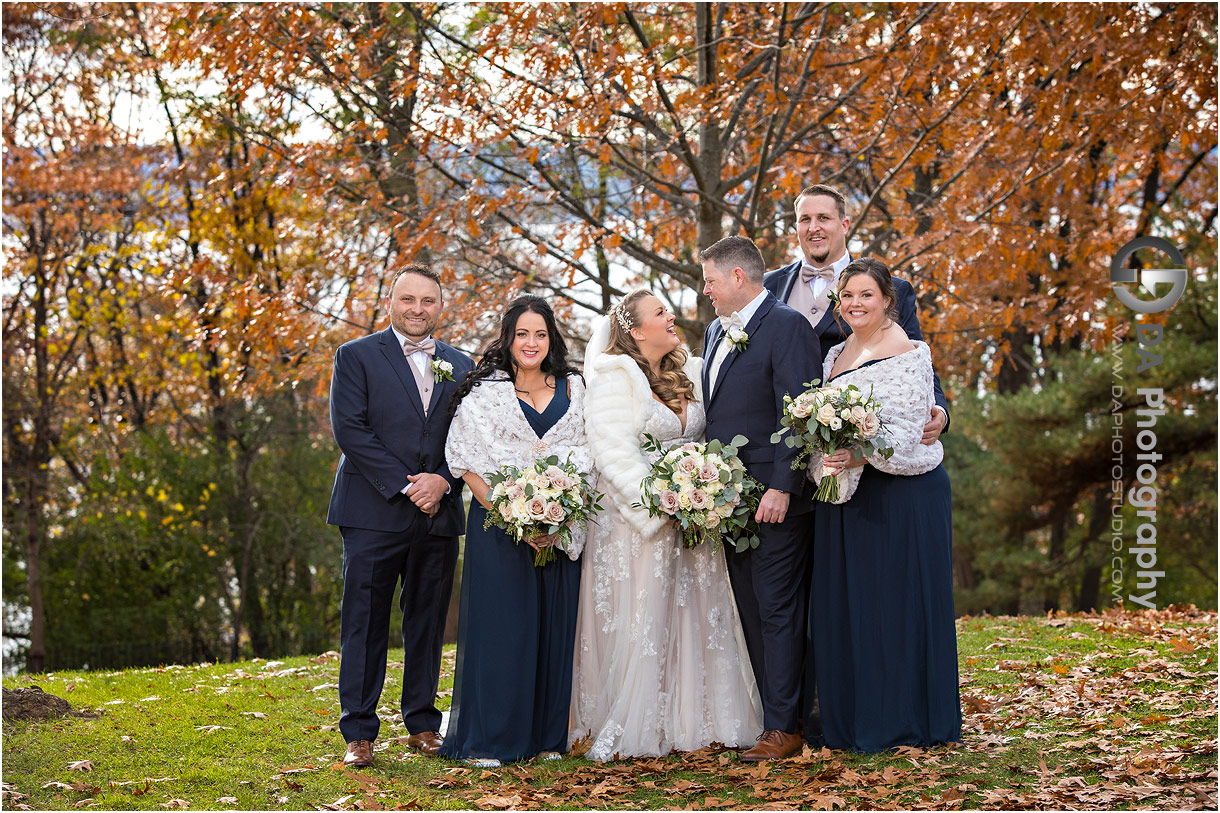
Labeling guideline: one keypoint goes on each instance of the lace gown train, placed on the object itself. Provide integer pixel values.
(661, 663)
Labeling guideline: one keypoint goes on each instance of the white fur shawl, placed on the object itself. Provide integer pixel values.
(615, 412)
(489, 431)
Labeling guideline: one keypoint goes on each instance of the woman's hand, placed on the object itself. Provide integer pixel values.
(841, 461)
(540, 542)
(478, 488)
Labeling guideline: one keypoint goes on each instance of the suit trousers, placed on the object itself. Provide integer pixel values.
(373, 564)
(771, 585)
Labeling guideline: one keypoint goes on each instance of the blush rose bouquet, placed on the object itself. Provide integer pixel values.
(704, 489)
(547, 497)
(826, 419)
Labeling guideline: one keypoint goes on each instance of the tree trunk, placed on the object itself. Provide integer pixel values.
(708, 221)
(1090, 580)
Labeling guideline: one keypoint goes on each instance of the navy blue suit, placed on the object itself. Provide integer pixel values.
(832, 331)
(770, 582)
(379, 423)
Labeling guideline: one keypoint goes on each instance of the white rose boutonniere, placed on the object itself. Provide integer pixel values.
(737, 338)
(441, 370)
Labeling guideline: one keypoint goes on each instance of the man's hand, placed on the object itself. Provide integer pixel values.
(773, 506)
(934, 426)
(426, 491)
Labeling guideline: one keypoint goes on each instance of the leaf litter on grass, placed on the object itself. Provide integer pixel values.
(1098, 710)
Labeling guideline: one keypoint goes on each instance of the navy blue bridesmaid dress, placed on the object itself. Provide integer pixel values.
(516, 629)
(884, 645)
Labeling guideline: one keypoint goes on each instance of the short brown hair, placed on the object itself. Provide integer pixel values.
(423, 271)
(826, 191)
(737, 252)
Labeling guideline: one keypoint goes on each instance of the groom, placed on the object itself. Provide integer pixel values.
(744, 383)
(398, 508)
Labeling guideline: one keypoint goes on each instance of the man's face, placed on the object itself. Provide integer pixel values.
(820, 231)
(721, 288)
(415, 306)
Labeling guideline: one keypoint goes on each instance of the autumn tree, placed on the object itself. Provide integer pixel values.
(68, 172)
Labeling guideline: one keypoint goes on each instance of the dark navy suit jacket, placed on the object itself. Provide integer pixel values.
(831, 331)
(782, 356)
(378, 421)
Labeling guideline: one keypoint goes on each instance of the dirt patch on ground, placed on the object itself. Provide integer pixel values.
(32, 703)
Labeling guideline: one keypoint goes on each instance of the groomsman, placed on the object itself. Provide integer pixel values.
(758, 351)
(821, 230)
(398, 508)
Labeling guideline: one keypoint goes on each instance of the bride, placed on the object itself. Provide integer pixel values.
(661, 663)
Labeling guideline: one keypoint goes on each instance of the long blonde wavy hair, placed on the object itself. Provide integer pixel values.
(671, 385)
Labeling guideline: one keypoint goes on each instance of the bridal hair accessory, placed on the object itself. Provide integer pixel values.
(620, 313)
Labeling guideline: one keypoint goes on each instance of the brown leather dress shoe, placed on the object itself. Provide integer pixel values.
(359, 754)
(427, 741)
(773, 744)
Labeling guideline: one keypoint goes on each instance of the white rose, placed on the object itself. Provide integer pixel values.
(826, 414)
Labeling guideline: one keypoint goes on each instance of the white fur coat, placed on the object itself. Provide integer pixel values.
(615, 411)
(490, 431)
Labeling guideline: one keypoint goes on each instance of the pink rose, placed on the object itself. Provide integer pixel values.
(536, 508)
(560, 479)
(542, 481)
(857, 415)
(698, 499)
(690, 446)
(669, 501)
(826, 414)
(712, 520)
(506, 511)
(515, 492)
(554, 513)
(802, 407)
(688, 464)
(870, 425)
(709, 473)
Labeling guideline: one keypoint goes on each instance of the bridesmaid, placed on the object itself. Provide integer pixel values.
(884, 647)
(517, 622)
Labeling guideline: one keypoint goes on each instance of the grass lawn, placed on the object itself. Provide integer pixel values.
(1110, 711)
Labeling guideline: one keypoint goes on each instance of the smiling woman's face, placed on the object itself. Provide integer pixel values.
(861, 304)
(654, 326)
(531, 342)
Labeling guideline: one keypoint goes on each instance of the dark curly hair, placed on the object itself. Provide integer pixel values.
(497, 355)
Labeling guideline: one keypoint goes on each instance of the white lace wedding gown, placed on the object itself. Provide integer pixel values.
(661, 663)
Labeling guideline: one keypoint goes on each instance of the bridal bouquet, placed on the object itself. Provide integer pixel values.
(826, 419)
(704, 489)
(548, 497)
